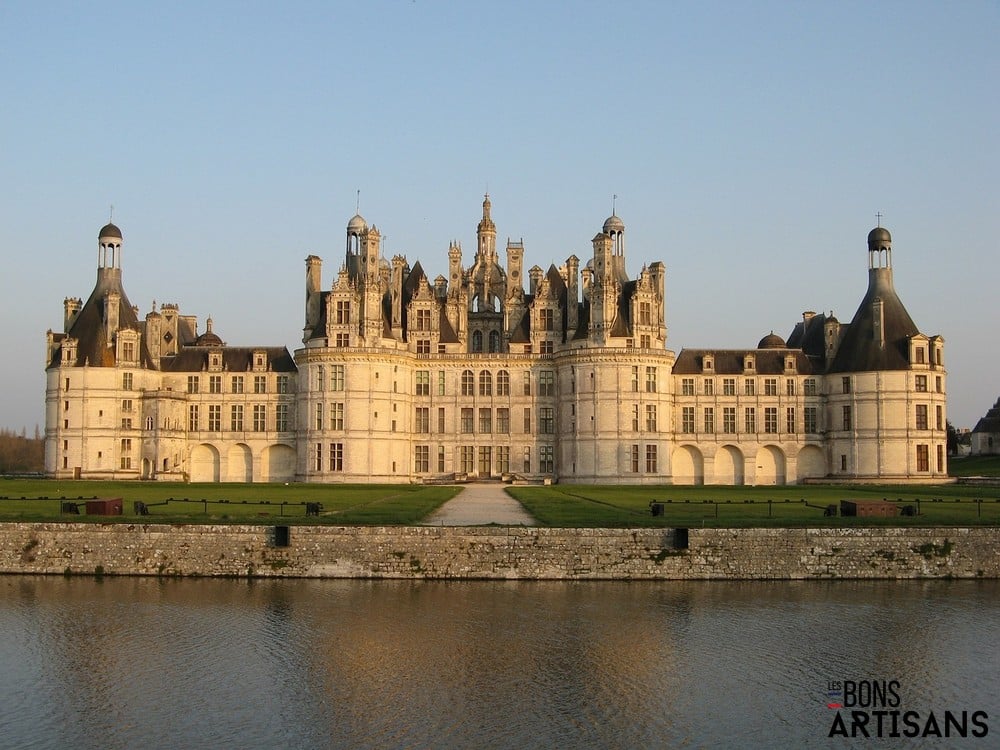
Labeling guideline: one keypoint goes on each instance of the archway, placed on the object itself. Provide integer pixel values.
(770, 466)
(205, 463)
(688, 465)
(729, 465)
(278, 462)
(811, 463)
(239, 464)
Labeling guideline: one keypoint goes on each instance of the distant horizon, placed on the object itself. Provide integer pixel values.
(751, 148)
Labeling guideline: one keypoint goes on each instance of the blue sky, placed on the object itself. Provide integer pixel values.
(750, 145)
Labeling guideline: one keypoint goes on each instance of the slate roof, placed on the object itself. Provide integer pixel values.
(234, 359)
(730, 361)
(991, 422)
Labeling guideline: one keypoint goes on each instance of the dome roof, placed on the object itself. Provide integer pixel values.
(613, 224)
(109, 230)
(208, 339)
(879, 236)
(357, 224)
(771, 341)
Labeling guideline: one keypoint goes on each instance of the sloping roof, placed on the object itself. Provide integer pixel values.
(860, 350)
(234, 359)
(730, 361)
(991, 422)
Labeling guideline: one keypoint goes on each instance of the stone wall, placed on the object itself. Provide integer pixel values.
(497, 552)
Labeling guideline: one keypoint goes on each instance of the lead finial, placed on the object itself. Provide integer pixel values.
(614, 200)
(878, 219)
(357, 204)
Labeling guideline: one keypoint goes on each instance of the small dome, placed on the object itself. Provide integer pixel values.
(613, 224)
(772, 341)
(879, 236)
(357, 224)
(208, 339)
(109, 230)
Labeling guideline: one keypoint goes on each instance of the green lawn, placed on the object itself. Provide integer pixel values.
(556, 505)
(974, 466)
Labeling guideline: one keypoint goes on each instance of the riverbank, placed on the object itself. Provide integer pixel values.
(498, 552)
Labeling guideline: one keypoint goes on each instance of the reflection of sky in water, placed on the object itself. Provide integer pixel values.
(143, 663)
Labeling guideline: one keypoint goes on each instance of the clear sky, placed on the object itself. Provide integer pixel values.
(750, 145)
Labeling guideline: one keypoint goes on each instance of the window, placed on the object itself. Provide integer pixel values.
(729, 386)
(645, 341)
(281, 418)
(708, 386)
(546, 320)
(468, 383)
(921, 355)
(923, 458)
(503, 459)
(259, 418)
(441, 419)
(342, 340)
(921, 416)
(789, 386)
(440, 458)
(126, 381)
(421, 459)
(790, 419)
(503, 421)
(423, 383)
(236, 418)
(343, 315)
(260, 383)
(336, 456)
(214, 417)
(633, 455)
(527, 420)
(126, 424)
(441, 382)
(937, 383)
(687, 386)
(467, 456)
(422, 419)
(750, 419)
(128, 350)
(336, 377)
(545, 347)
(645, 314)
(237, 384)
(423, 320)
(920, 383)
(467, 417)
(546, 464)
(423, 346)
(193, 383)
(845, 384)
(485, 383)
(809, 386)
(503, 383)
(215, 384)
(319, 416)
(749, 386)
(635, 378)
(650, 459)
(770, 419)
(809, 418)
(546, 383)
(319, 457)
(940, 458)
(486, 421)
(729, 420)
(843, 462)
(687, 419)
(939, 417)
(282, 384)
(770, 386)
(127, 405)
(709, 419)
(477, 341)
(846, 418)
(650, 417)
(650, 380)
(494, 341)
(149, 423)
(527, 384)
(546, 421)
(193, 425)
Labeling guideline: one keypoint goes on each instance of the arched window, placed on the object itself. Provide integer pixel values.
(477, 341)
(494, 341)
(468, 383)
(485, 383)
(149, 423)
(503, 383)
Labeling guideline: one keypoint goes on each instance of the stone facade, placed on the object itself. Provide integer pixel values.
(402, 379)
(498, 553)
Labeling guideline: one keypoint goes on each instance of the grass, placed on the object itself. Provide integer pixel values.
(40, 500)
(974, 466)
(556, 505)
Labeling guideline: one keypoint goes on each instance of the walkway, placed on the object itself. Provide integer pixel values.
(479, 505)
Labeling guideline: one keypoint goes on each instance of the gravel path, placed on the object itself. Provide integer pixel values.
(478, 505)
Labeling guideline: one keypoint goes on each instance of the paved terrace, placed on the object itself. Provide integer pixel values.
(479, 505)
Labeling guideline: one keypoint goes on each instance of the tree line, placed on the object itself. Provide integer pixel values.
(19, 453)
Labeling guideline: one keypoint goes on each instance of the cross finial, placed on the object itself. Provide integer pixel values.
(878, 219)
(614, 200)
(357, 204)
(111, 214)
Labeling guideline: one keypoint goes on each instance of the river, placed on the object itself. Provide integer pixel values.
(197, 663)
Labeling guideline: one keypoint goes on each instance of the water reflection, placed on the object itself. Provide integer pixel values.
(126, 663)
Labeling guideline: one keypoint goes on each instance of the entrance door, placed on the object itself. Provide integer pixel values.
(485, 460)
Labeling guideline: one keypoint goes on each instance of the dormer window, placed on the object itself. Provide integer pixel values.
(708, 365)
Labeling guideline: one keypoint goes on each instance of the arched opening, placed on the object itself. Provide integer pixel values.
(239, 464)
(770, 468)
(688, 465)
(205, 464)
(728, 466)
(278, 464)
(494, 341)
(811, 463)
(477, 341)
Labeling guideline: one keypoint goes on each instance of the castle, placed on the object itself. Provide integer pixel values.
(401, 378)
